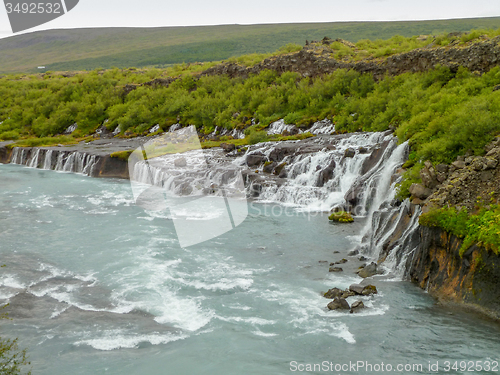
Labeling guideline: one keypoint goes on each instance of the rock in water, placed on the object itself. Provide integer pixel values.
(363, 290)
(349, 153)
(356, 288)
(338, 304)
(333, 293)
(356, 306)
(255, 159)
(180, 162)
(369, 290)
(335, 269)
(368, 271)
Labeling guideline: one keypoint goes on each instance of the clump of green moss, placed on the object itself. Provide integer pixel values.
(341, 217)
(122, 155)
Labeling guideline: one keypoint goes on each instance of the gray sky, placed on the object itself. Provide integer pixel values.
(150, 13)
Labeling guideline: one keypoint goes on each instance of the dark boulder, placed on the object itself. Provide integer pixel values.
(335, 269)
(369, 270)
(369, 290)
(282, 150)
(279, 169)
(363, 290)
(326, 174)
(339, 304)
(255, 159)
(269, 167)
(357, 306)
(420, 191)
(374, 157)
(349, 153)
(428, 176)
(228, 147)
(356, 288)
(333, 293)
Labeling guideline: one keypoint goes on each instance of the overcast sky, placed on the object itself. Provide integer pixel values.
(149, 13)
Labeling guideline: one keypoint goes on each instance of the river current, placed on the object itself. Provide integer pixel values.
(97, 285)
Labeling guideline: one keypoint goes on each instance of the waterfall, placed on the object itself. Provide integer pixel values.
(18, 155)
(308, 185)
(197, 172)
(322, 127)
(47, 163)
(279, 127)
(58, 160)
(33, 162)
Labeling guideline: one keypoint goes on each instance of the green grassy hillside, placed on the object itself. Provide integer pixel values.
(87, 49)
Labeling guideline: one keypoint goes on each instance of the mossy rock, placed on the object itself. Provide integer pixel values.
(341, 217)
(123, 155)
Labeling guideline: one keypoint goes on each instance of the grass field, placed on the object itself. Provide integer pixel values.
(87, 49)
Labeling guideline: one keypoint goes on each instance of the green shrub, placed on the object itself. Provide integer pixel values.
(257, 137)
(482, 228)
(341, 217)
(11, 135)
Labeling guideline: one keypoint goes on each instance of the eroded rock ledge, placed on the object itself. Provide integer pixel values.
(473, 279)
(436, 265)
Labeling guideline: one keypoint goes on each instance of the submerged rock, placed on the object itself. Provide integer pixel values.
(335, 269)
(180, 162)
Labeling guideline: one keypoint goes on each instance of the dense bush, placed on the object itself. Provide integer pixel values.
(341, 217)
(482, 228)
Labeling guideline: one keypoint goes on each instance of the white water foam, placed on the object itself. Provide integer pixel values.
(117, 339)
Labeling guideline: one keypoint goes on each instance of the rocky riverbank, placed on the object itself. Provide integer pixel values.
(470, 182)
(91, 158)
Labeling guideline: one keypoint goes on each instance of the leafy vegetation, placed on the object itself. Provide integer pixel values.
(440, 112)
(12, 359)
(341, 217)
(482, 228)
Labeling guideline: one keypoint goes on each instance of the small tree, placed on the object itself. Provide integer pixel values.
(12, 359)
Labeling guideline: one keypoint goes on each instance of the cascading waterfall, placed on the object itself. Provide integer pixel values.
(358, 171)
(33, 162)
(62, 161)
(305, 187)
(322, 127)
(279, 127)
(196, 172)
(47, 163)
